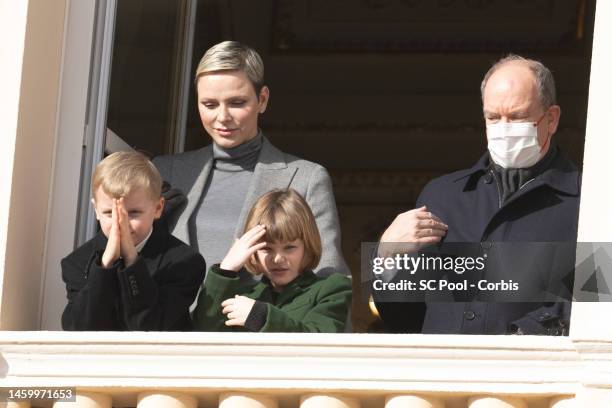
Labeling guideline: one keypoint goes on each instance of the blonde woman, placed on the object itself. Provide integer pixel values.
(223, 180)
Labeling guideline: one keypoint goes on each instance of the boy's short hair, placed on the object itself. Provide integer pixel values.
(233, 56)
(287, 217)
(123, 172)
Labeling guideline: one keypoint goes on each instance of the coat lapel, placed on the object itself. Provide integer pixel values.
(296, 288)
(154, 248)
(203, 162)
(271, 172)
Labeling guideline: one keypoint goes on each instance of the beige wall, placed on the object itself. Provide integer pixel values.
(32, 31)
(12, 25)
(595, 224)
(597, 201)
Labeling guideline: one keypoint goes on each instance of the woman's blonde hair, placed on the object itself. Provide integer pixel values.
(233, 56)
(287, 217)
(123, 172)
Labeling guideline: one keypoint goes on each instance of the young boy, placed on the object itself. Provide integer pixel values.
(133, 275)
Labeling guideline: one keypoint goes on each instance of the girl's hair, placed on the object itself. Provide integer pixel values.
(287, 217)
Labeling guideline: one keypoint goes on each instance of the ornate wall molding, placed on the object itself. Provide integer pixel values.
(437, 25)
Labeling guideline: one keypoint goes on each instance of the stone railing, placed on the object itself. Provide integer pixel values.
(176, 370)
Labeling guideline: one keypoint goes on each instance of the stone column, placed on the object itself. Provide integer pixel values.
(496, 402)
(413, 401)
(563, 402)
(246, 400)
(87, 400)
(158, 399)
(594, 397)
(21, 404)
(328, 401)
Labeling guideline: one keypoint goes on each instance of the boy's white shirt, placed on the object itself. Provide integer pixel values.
(144, 241)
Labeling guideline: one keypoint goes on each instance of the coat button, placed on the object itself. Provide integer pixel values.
(488, 178)
(544, 316)
(469, 315)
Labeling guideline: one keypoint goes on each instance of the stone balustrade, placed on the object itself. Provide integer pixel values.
(255, 370)
(250, 400)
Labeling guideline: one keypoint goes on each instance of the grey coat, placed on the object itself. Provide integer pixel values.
(189, 172)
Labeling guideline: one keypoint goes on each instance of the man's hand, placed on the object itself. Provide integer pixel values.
(128, 249)
(243, 249)
(113, 246)
(419, 227)
(237, 310)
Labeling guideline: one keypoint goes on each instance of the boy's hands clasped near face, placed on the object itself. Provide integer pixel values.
(128, 246)
(120, 242)
(126, 222)
(113, 245)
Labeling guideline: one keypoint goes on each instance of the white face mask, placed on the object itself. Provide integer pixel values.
(514, 145)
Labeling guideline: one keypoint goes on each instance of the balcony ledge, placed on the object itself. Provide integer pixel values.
(384, 363)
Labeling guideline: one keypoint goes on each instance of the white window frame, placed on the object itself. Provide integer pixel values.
(72, 114)
(82, 136)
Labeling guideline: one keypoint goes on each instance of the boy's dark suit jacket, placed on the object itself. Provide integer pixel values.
(152, 294)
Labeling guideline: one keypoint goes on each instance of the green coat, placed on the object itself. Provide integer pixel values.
(307, 304)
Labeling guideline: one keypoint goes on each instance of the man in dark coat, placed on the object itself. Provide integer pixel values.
(523, 190)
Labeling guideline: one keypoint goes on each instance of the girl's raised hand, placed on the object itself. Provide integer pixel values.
(243, 248)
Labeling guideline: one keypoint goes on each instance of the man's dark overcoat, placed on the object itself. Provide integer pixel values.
(544, 210)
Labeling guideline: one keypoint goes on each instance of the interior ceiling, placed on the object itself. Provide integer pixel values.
(394, 84)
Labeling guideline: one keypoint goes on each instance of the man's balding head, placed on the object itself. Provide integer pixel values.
(544, 80)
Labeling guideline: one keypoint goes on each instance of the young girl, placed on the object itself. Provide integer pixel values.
(281, 242)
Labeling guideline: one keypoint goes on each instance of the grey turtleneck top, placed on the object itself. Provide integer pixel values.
(223, 197)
